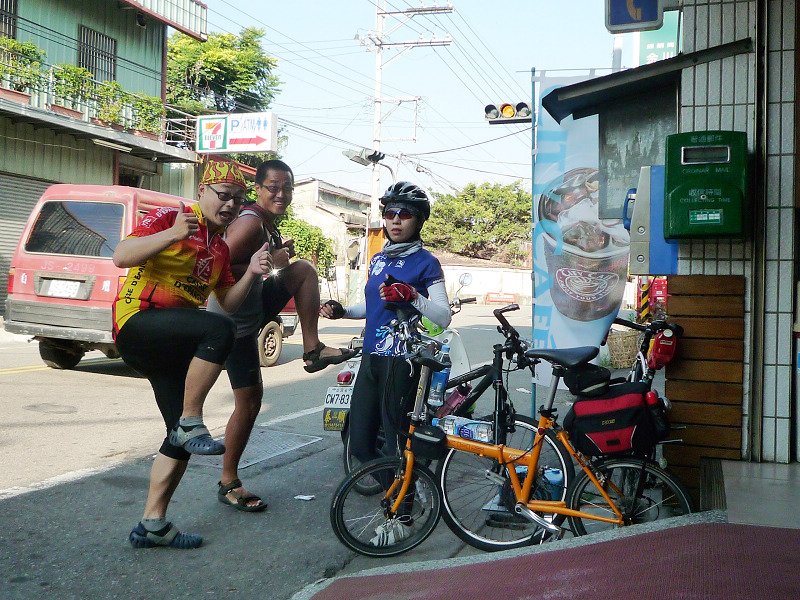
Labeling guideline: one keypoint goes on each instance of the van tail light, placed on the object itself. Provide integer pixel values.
(665, 343)
(11, 280)
(344, 377)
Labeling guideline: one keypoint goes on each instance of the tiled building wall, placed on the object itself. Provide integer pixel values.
(721, 95)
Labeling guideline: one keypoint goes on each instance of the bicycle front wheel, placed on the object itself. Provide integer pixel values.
(361, 522)
(478, 499)
(643, 492)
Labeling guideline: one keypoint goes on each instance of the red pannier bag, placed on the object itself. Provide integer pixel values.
(617, 422)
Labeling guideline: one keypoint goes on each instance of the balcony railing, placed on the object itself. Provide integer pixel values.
(104, 103)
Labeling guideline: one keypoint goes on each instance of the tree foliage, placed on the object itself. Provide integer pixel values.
(227, 73)
(489, 221)
(309, 242)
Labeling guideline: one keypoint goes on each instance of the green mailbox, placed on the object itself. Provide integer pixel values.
(705, 184)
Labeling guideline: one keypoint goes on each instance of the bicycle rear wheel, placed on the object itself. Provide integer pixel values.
(361, 523)
(478, 500)
(643, 491)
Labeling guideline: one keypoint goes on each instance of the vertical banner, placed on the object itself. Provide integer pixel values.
(580, 262)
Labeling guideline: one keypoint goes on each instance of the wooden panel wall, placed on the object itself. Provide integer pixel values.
(705, 381)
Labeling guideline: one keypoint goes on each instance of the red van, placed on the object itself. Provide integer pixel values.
(62, 280)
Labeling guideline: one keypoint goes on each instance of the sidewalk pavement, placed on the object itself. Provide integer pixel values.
(699, 556)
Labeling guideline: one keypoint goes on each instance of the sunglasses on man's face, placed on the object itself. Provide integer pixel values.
(226, 197)
(392, 213)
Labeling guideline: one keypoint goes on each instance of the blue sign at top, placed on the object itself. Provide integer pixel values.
(633, 15)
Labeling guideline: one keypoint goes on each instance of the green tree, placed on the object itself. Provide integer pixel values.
(309, 241)
(490, 221)
(226, 73)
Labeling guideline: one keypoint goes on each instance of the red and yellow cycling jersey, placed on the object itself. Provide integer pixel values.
(180, 276)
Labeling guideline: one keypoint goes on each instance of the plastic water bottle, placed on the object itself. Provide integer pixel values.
(439, 382)
(450, 423)
(480, 431)
(454, 400)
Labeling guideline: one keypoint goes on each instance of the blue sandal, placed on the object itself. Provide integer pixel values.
(168, 537)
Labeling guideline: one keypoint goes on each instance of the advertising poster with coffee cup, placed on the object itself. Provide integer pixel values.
(580, 261)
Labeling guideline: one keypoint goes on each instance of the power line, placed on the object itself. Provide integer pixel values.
(472, 145)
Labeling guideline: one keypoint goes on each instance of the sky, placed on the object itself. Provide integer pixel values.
(441, 142)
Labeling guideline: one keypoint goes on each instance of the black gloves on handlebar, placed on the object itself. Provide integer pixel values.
(336, 308)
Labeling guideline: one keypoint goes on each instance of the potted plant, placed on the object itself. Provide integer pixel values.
(20, 67)
(110, 99)
(148, 116)
(71, 89)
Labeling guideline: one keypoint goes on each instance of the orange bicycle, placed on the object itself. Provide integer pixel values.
(513, 484)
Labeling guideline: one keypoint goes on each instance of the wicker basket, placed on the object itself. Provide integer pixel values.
(622, 348)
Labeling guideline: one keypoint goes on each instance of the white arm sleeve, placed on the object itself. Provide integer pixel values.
(436, 306)
(357, 311)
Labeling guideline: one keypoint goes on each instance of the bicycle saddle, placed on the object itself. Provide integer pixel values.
(565, 357)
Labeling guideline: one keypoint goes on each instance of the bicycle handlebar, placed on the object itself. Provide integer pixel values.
(498, 313)
(652, 328)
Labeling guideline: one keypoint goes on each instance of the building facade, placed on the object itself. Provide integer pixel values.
(82, 87)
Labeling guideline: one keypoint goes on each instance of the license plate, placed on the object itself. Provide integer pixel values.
(337, 405)
(63, 288)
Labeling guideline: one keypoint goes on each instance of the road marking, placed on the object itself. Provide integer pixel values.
(31, 368)
(57, 480)
(83, 473)
(13, 370)
(291, 416)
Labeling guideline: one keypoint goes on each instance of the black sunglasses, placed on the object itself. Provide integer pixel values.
(403, 213)
(227, 197)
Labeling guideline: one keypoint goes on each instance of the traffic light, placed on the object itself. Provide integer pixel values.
(508, 113)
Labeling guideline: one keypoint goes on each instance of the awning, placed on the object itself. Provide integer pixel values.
(588, 97)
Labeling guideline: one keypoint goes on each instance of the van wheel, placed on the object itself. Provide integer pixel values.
(59, 357)
(270, 342)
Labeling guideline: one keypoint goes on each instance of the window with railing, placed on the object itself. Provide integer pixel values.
(98, 53)
(8, 18)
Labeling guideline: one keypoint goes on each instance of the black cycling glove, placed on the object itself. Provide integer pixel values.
(337, 308)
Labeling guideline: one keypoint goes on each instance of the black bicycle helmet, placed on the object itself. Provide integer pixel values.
(409, 194)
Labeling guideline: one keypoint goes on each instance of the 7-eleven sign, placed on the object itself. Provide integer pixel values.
(237, 132)
(212, 134)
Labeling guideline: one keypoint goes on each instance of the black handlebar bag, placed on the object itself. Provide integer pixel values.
(616, 422)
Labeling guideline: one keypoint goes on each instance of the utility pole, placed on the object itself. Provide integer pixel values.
(377, 41)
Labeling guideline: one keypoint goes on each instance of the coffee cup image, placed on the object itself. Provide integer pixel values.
(587, 257)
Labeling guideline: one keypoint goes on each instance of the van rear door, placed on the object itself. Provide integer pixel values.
(64, 280)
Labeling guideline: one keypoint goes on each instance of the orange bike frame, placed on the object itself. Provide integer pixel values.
(506, 456)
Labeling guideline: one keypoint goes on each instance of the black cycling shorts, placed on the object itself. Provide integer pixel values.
(243, 364)
(161, 342)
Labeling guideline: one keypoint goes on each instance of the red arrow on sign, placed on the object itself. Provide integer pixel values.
(253, 140)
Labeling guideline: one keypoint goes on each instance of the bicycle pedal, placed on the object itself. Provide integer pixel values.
(526, 512)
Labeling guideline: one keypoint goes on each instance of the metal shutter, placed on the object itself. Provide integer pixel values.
(18, 195)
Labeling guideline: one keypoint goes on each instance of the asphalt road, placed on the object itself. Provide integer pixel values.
(78, 446)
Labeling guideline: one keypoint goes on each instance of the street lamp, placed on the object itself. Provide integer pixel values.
(370, 157)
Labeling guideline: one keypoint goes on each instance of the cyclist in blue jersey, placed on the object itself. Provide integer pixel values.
(403, 273)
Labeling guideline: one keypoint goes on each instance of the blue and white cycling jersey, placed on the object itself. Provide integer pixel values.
(420, 270)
